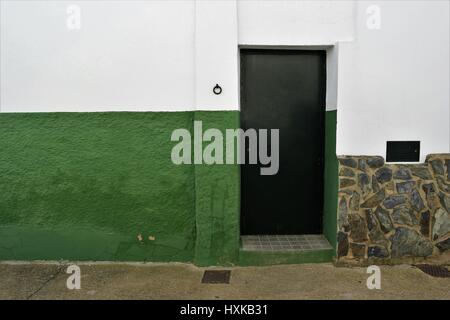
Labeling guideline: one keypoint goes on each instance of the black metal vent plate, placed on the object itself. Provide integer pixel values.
(216, 276)
(402, 151)
(434, 270)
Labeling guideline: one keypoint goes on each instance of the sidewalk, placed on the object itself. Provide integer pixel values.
(183, 281)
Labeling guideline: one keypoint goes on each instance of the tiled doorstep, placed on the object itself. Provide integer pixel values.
(285, 242)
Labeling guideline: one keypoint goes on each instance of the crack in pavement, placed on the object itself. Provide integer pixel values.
(46, 282)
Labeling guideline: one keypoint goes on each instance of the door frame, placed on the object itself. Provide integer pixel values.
(330, 183)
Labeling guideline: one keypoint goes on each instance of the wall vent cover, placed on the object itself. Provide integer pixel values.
(402, 151)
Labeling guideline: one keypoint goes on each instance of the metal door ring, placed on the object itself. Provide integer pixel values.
(217, 89)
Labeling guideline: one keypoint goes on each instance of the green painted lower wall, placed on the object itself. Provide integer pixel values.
(84, 186)
(257, 258)
(102, 186)
(217, 199)
(331, 179)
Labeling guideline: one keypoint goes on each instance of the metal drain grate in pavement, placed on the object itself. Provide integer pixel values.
(216, 276)
(434, 271)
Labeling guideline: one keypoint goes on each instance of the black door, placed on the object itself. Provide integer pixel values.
(285, 90)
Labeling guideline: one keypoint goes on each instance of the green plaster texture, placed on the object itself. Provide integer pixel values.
(331, 179)
(102, 187)
(217, 196)
(94, 186)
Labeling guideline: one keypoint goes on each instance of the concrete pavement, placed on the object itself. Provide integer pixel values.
(183, 281)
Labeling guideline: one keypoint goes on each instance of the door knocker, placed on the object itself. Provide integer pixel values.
(217, 89)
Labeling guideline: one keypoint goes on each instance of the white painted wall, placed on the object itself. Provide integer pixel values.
(287, 22)
(387, 84)
(128, 55)
(216, 50)
(394, 82)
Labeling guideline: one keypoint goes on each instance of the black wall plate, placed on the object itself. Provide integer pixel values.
(402, 151)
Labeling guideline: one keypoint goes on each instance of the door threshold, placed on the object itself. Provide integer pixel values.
(285, 243)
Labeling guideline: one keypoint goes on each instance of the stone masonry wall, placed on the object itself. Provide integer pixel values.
(393, 211)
